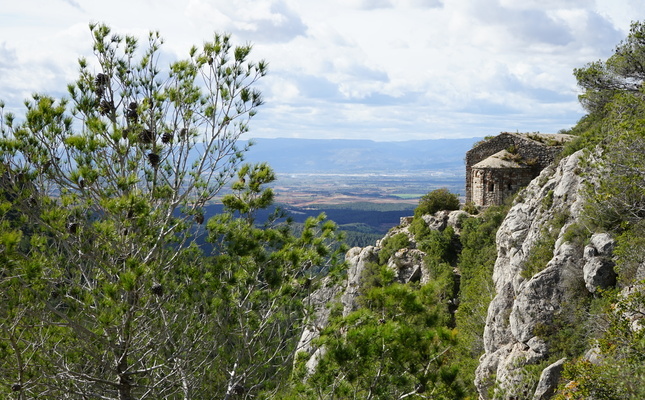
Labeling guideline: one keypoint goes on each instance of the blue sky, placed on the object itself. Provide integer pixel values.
(385, 70)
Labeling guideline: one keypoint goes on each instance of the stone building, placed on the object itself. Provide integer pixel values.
(498, 167)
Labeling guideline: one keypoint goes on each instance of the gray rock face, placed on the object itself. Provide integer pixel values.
(549, 380)
(599, 267)
(526, 300)
(319, 299)
(438, 221)
(357, 258)
(408, 266)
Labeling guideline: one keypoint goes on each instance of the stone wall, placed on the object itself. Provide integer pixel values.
(536, 153)
(491, 186)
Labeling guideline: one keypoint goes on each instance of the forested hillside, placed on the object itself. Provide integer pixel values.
(107, 290)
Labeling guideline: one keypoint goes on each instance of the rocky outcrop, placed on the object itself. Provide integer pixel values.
(549, 380)
(598, 270)
(319, 301)
(357, 259)
(533, 233)
(407, 264)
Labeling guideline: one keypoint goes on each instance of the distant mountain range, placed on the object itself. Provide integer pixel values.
(356, 156)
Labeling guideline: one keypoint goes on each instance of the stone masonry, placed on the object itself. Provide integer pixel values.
(498, 167)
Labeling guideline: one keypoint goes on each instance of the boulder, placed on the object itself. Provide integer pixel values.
(357, 258)
(455, 218)
(319, 300)
(548, 382)
(599, 274)
(408, 266)
(438, 221)
(598, 269)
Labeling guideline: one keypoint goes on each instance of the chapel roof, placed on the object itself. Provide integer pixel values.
(501, 159)
(548, 139)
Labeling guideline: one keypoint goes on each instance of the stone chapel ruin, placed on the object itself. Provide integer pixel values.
(498, 167)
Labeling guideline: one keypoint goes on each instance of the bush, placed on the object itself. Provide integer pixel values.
(437, 200)
(391, 245)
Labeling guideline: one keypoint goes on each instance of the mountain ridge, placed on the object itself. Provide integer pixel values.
(289, 155)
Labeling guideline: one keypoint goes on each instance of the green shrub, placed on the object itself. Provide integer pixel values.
(476, 262)
(576, 234)
(541, 254)
(439, 245)
(630, 253)
(391, 245)
(471, 208)
(437, 200)
(376, 275)
(547, 201)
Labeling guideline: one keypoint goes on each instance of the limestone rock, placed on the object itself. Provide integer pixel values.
(599, 274)
(526, 301)
(408, 266)
(539, 298)
(357, 258)
(538, 346)
(549, 380)
(438, 221)
(594, 355)
(599, 267)
(603, 243)
(455, 218)
(319, 300)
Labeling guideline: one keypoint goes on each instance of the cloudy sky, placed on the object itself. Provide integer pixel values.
(357, 69)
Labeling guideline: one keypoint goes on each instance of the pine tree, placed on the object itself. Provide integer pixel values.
(105, 292)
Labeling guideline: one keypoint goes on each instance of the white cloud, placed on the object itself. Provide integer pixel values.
(380, 69)
(263, 21)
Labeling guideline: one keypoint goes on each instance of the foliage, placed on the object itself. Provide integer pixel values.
(619, 372)
(395, 346)
(104, 291)
(260, 277)
(616, 200)
(471, 208)
(630, 254)
(437, 200)
(359, 235)
(379, 274)
(614, 203)
(391, 245)
(476, 289)
(621, 73)
(542, 250)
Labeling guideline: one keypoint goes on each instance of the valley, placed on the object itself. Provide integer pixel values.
(310, 189)
(364, 205)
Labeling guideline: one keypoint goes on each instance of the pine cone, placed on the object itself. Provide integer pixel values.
(157, 289)
(166, 137)
(101, 80)
(154, 159)
(105, 107)
(132, 114)
(147, 136)
(199, 218)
